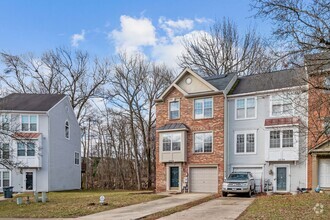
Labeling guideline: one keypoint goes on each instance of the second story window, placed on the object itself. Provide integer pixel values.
(203, 142)
(76, 158)
(281, 139)
(5, 122)
(172, 142)
(67, 130)
(281, 105)
(246, 108)
(29, 122)
(203, 108)
(245, 142)
(4, 151)
(174, 109)
(26, 148)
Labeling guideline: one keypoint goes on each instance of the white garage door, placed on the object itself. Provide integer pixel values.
(324, 172)
(257, 175)
(203, 179)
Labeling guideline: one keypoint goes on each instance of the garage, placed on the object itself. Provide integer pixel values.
(324, 172)
(203, 179)
(257, 173)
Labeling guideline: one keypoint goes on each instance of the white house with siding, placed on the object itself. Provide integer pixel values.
(40, 136)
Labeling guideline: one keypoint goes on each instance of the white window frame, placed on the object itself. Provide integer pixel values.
(1, 149)
(282, 102)
(200, 132)
(169, 109)
(25, 142)
(245, 108)
(245, 133)
(203, 107)
(1, 177)
(29, 115)
(67, 121)
(281, 138)
(9, 118)
(74, 158)
(171, 134)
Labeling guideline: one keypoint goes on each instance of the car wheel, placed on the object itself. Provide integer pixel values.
(249, 193)
(224, 194)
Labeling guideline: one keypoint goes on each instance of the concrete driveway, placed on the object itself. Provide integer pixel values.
(222, 208)
(143, 209)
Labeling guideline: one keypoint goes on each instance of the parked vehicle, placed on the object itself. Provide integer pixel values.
(239, 183)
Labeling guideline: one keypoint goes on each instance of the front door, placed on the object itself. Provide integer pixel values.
(29, 180)
(281, 179)
(174, 177)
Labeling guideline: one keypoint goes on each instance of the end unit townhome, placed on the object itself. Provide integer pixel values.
(40, 140)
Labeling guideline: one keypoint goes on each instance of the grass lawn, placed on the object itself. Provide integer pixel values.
(288, 207)
(72, 204)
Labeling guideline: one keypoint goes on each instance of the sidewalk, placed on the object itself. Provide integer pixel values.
(144, 209)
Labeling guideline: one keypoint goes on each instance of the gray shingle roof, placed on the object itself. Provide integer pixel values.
(268, 81)
(220, 81)
(173, 126)
(29, 102)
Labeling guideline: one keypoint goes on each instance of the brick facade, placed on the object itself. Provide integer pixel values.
(215, 124)
(318, 109)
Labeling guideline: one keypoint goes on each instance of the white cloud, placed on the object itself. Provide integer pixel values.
(203, 20)
(134, 34)
(171, 27)
(77, 38)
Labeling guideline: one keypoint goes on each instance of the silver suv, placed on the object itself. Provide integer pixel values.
(239, 182)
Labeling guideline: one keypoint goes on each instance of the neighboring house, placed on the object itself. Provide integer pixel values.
(40, 133)
(318, 69)
(267, 129)
(190, 133)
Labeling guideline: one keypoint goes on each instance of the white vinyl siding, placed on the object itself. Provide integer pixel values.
(245, 142)
(203, 108)
(246, 108)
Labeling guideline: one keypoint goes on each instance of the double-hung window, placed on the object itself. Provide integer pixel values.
(203, 108)
(281, 139)
(281, 105)
(29, 122)
(245, 142)
(174, 109)
(5, 122)
(172, 142)
(246, 108)
(76, 158)
(4, 150)
(203, 142)
(26, 148)
(4, 178)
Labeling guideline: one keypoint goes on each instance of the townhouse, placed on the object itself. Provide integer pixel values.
(40, 143)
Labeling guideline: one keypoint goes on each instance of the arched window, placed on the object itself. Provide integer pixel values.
(67, 130)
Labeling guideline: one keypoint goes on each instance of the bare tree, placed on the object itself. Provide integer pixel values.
(301, 27)
(58, 71)
(223, 50)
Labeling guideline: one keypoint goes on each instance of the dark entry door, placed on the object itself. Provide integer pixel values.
(174, 177)
(29, 181)
(281, 179)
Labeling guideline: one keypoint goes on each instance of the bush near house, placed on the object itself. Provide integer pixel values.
(302, 206)
(72, 204)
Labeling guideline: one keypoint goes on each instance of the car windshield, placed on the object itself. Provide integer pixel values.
(238, 176)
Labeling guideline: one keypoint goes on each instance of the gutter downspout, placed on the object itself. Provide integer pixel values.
(225, 153)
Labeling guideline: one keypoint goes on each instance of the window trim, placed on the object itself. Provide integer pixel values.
(245, 108)
(9, 122)
(25, 142)
(2, 150)
(171, 133)
(281, 138)
(169, 108)
(67, 121)
(193, 145)
(281, 115)
(21, 124)
(74, 158)
(1, 177)
(199, 98)
(245, 132)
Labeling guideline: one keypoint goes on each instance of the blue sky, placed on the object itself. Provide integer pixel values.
(106, 27)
